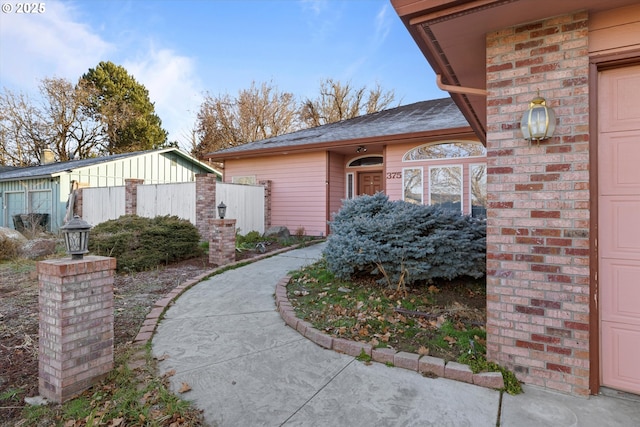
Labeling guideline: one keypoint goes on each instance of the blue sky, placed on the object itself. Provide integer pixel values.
(181, 49)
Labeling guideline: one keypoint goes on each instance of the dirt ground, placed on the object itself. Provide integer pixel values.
(134, 296)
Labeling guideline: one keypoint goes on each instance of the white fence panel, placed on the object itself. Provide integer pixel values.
(168, 199)
(245, 204)
(102, 204)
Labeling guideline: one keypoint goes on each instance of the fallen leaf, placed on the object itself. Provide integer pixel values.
(184, 388)
(450, 340)
(115, 422)
(170, 373)
(423, 351)
(440, 321)
(433, 289)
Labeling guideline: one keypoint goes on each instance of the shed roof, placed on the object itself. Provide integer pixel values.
(424, 116)
(56, 168)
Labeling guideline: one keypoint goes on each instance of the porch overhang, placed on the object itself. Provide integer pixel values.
(451, 35)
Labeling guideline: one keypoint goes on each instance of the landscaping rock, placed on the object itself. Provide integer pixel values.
(38, 248)
(12, 234)
(281, 232)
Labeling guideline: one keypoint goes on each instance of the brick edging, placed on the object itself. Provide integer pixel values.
(160, 306)
(426, 365)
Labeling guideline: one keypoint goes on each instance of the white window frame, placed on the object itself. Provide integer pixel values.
(471, 166)
(461, 189)
(404, 171)
(349, 186)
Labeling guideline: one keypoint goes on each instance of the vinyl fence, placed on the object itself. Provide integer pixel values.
(245, 203)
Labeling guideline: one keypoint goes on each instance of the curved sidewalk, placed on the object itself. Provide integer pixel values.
(225, 339)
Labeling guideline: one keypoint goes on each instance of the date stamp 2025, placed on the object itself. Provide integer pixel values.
(23, 8)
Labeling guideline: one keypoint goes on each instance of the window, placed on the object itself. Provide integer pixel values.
(350, 186)
(446, 150)
(246, 180)
(445, 187)
(412, 185)
(478, 186)
(366, 161)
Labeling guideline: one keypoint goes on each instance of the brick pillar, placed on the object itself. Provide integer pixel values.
(222, 243)
(77, 203)
(267, 203)
(131, 195)
(538, 208)
(205, 202)
(76, 324)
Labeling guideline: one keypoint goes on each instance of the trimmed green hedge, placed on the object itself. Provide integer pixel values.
(144, 243)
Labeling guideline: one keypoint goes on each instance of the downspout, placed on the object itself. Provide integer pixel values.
(459, 89)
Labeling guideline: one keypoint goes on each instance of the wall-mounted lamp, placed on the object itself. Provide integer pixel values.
(361, 149)
(539, 121)
(222, 210)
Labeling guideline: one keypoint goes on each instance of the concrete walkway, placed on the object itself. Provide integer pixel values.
(245, 367)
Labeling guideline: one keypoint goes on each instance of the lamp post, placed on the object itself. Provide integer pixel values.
(76, 237)
(222, 210)
(539, 121)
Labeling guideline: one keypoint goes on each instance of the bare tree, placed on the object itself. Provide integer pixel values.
(257, 113)
(340, 101)
(58, 122)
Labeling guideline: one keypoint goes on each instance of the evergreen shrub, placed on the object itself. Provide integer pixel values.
(144, 243)
(404, 242)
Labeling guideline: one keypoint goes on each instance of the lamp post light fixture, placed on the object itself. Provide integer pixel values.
(76, 237)
(539, 121)
(222, 210)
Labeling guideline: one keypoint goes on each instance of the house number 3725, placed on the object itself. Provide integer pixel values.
(394, 175)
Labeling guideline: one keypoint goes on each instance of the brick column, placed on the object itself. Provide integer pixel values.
(538, 208)
(205, 203)
(77, 203)
(131, 195)
(267, 203)
(222, 243)
(76, 324)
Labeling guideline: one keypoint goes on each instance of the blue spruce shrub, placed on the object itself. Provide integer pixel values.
(405, 242)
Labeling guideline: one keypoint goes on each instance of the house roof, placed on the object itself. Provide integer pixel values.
(57, 168)
(418, 118)
(452, 36)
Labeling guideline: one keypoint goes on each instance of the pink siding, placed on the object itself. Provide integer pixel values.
(298, 188)
(337, 183)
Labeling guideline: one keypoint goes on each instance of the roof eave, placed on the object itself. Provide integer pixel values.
(426, 136)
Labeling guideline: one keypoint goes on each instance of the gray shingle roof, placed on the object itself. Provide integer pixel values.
(50, 169)
(422, 116)
(57, 167)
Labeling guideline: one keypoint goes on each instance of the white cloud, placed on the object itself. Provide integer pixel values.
(173, 87)
(50, 44)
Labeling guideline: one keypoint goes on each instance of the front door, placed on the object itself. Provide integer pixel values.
(619, 226)
(369, 183)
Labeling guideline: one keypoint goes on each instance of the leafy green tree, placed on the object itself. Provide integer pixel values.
(123, 107)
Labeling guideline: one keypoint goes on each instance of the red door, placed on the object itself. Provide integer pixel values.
(619, 227)
(369, 183)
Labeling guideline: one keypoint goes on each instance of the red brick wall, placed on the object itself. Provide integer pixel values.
(75, 347)
(131, 195)
(205, 203)
(538, 216)
(222, 241)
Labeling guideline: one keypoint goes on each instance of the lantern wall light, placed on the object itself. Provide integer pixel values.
(539, 121)
(76, 237)
(222, 210)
